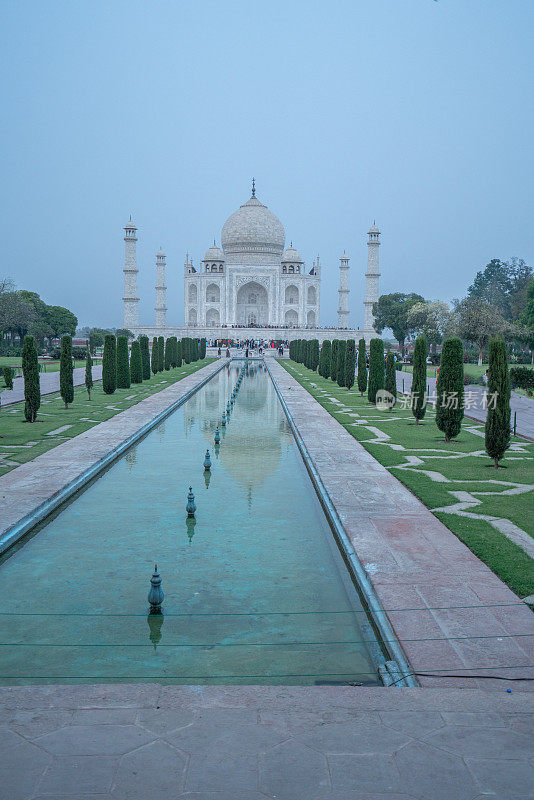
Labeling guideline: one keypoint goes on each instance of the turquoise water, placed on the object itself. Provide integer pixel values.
(255, 588)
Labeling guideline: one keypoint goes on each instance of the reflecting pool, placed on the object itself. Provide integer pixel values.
(255, 588)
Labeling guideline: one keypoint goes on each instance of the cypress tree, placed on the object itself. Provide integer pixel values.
(362, 367)
(66, 380)
(145, 357)
(32, 387)
(350, 363)
(419, 379)
(109, 364)
(315, 354)
(341, 353)
(450, 389)
(202, 348)
(123, 365)
(324, 359)
(161, 354)
(391, 376)
(333, 360)
(498, 415)
(178, 352)
(88, 372)
(136, 364)
(376, 369)
(168, 354)
(186, 349)
(154, 356)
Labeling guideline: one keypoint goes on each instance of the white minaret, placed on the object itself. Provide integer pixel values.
(131, 296)
(343, 291)
(161, 291)
(371, 278)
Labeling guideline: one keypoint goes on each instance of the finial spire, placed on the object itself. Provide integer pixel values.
(253, 188)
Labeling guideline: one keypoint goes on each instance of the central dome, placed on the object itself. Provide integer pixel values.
(253, 228)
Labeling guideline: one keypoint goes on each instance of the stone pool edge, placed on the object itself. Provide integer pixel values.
(390, 642)
(14, 532)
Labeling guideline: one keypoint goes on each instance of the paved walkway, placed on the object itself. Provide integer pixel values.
(522, 406)
(49, 382)
(450, 612)
(138, 742)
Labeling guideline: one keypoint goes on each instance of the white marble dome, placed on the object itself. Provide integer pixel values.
(214, 253)
(253, 228)
(291, 255)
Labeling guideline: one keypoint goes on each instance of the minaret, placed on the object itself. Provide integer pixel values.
(371, 278)
(161, 291)
(343, 309)
(131, 296)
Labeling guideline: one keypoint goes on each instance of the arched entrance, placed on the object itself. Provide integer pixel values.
(252, 305)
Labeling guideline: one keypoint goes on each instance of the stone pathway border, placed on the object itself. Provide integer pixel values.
(133, 742)
(30, 492)
(459, 614)
(49, 383)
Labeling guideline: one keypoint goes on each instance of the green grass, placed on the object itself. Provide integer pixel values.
(473, 371)
(46, 364)
(21, 441)
(463, 463)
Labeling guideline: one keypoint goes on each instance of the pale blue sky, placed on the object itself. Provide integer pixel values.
(416, 113)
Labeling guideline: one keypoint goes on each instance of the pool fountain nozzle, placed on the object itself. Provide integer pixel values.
(190, 507)
(223, 419)
(155, 595)
(217, 436)
(207, 461)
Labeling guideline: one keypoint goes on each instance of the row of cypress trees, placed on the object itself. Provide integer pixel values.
(119, 373)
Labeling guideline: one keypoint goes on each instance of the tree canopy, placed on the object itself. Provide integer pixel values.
(392, 311)
(503, 285)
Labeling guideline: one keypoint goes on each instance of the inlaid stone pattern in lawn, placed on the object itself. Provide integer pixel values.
(249, 743)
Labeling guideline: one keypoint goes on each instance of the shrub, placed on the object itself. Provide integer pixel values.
(324, 359)
(362, 367)
(350, 363)
(341, 353)
(30, 370)
(450, 389)
(419, 379)
(376, 369)
(136, 364)
(123, 365)
(521, 378)
(145, 357)
(88, 374)
(109, 364)
(66, 381)
(498, 416)
(8, 373)
(391, 376)
(334, 359)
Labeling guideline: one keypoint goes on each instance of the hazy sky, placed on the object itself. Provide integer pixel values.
(416, 113)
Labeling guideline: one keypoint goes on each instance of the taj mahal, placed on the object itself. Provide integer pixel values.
(251, 282)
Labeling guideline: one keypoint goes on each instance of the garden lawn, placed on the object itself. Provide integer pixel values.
(472, 371)
(442, 469)
(21, 441)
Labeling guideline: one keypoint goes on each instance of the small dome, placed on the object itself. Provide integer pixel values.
(344, 257)
(214, 253)
(160, 253)
(253, 228)
(373, 228)
(292, 255)
(130, 224)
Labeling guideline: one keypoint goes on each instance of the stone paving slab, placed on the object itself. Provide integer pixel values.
(242, 742)
(24, 489)
(414, 562)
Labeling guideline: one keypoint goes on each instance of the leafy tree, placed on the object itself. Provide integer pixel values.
(66, 382)
(478, 322)
(168, 354)
(154, 363)
(136, 363)
(376, 369)
(497, 431)
(419, 379)
(88, 372)
(392, 311)
(362, 367)
(61, 320)
(161, 354)
(334, 359)
(109, 364)
(145, 357)
(324, 359)
(434, 319)
(503, 285)
(391, 376)
(32, 388)
(341, 353)
(124, 332)
(450, 389)
(123, 365)
(528, 314)
(350, 363)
